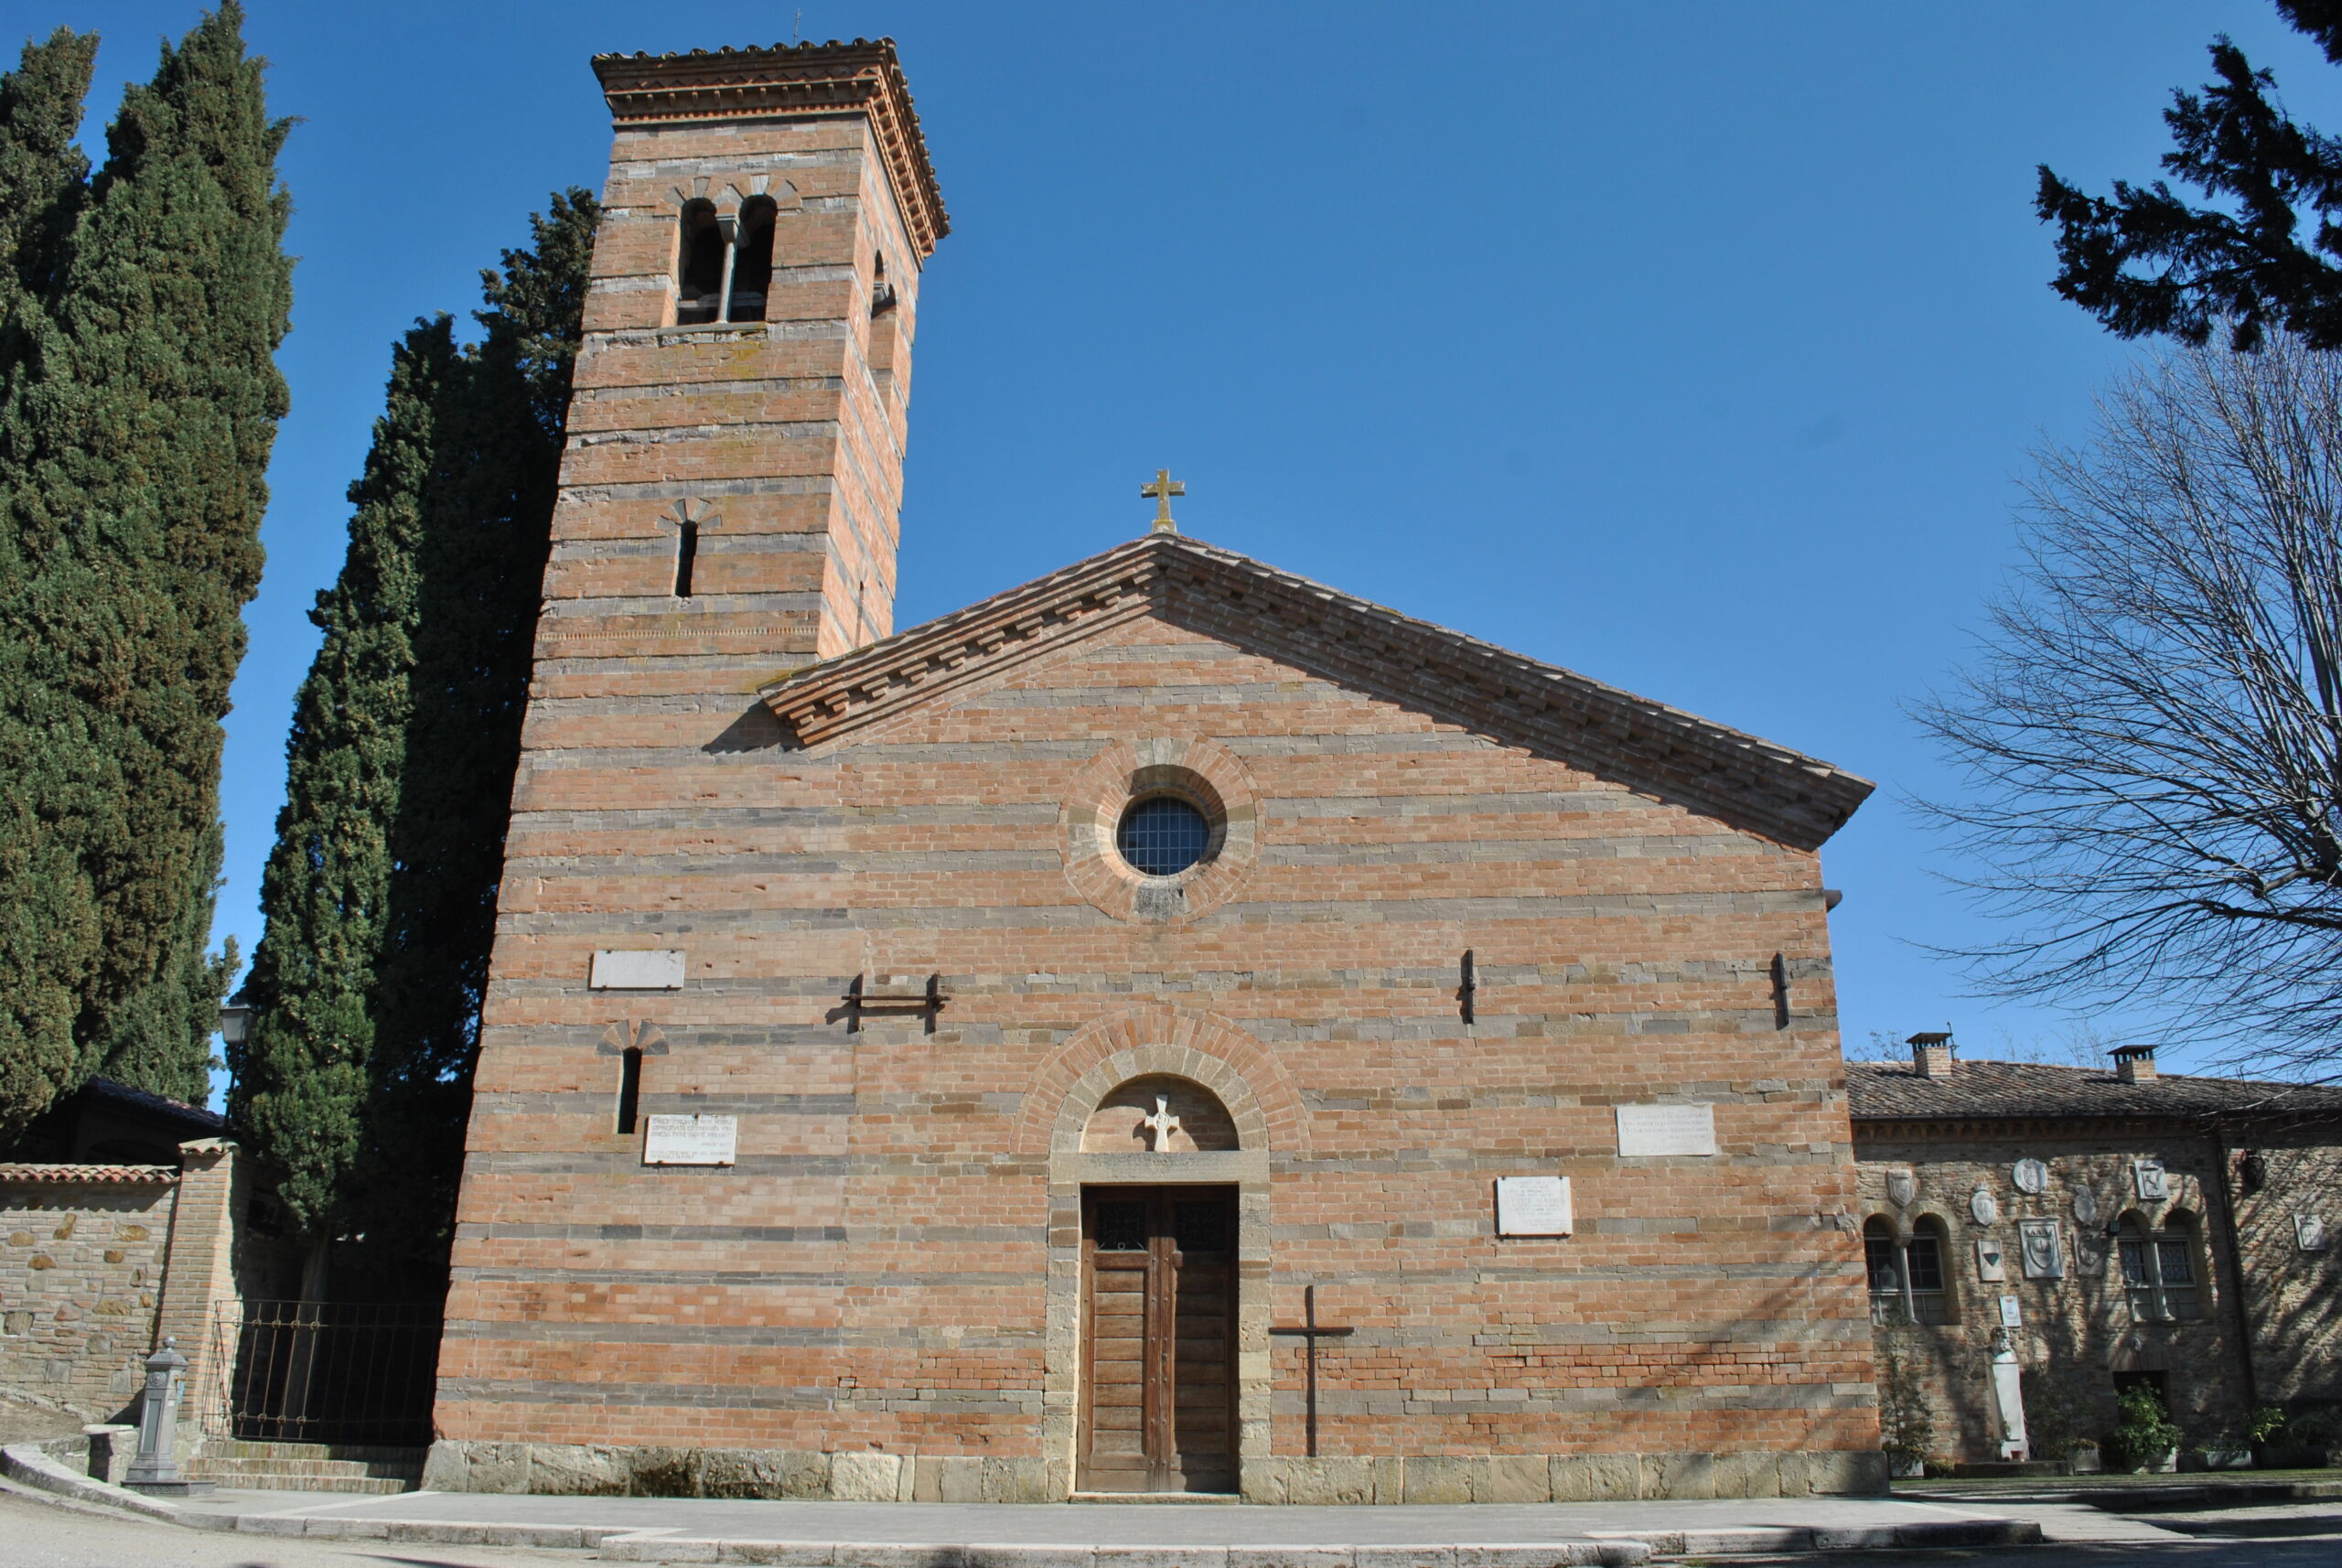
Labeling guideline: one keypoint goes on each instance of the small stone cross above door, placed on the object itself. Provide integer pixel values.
(1162, 1125)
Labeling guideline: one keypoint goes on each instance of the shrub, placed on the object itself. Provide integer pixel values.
(2144, 1433)
(1907, 1427)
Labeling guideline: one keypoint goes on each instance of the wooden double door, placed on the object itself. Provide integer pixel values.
(1158, 1339)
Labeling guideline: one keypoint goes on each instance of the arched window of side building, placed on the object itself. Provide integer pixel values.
(2162, 1269)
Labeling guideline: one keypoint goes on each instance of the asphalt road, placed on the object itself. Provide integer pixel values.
(35, 1535)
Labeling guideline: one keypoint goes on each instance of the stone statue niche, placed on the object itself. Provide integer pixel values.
(1158, 1114)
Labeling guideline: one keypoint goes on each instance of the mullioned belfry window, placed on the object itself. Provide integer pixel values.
(2160, 1272)
(752, 261)
(1907, 1280)
(699, 276)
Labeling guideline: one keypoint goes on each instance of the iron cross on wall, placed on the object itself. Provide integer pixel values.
(1309, 1331)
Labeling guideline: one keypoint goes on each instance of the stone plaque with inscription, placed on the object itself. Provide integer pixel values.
(658, 968)
(690, 1140)
(1645, 1129)
(1532, 1206)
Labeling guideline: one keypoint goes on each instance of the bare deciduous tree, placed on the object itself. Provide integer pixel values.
(2152, 736)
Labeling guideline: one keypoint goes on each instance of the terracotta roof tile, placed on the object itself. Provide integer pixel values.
(1894, 1090)
(55, 1172)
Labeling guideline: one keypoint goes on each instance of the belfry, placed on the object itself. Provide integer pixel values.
(1171, 1027)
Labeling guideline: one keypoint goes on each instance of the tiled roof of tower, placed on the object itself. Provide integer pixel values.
(786, 78)
(1721, 772)
(1998, 1091)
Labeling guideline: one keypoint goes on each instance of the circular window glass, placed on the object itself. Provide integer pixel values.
(1163, 835)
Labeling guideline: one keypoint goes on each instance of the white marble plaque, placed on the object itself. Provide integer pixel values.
(658, 968)
(1990, 1267)
(1666, 1129)
(690, 1140)
(2030, 1176)
(1983, 1207)
(1532, 1206)
(2012, 1312)
(2309, 1233)
(2154, 1182)
(2085, 1206)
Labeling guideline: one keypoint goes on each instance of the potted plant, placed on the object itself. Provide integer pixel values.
(2144, 1436)
(2301, 1440)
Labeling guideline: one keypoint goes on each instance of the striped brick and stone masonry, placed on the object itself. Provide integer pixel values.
(1456, 908)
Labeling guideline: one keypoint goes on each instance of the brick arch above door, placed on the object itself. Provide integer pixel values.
(1151, 1038)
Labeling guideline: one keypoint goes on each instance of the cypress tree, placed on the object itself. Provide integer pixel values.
(139, 422)
(43, 175)
(301, 1079)
(380, 897)
(487, 528)
(48, 919)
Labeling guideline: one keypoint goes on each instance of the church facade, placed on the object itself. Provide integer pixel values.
(1168, 1028)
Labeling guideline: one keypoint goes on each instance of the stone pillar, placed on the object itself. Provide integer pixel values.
(200, 1280)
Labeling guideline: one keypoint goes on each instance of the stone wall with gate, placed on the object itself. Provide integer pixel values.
(99, 1262)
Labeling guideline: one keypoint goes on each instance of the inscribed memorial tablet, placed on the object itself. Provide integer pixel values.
(656, 969)
(1666, 1129)
(690, 1140)
(1532, 1206)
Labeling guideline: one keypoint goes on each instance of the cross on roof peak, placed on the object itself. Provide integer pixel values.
(1161, 490)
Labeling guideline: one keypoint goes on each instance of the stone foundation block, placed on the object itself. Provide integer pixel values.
(1328, 1481)
(653, 1472)
(1679, 1475)
(1518, 1478)
(578, 1470)
(762, 1473)
(1014, 1481)
(1389, 1480)
(865, 1478)
(1444, 1480)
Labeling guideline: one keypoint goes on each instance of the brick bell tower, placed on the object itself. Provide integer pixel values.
(731, 494)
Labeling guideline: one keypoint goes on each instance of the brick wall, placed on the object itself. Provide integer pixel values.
(872, 1276)
(83, 1250)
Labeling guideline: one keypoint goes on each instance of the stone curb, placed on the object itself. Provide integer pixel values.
(1931, 1533)
(2123, 1500)
(647, 1548)
(26, 1463)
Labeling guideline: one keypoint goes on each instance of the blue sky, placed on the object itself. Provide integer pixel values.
(1695, 347)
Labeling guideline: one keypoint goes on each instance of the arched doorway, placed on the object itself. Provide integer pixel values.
(1158, 1298)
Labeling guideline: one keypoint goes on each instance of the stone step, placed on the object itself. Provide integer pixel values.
(361, 1453)
(369, 1469)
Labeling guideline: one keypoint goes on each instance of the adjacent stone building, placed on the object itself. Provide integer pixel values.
(1171, 1027)
(2122, 1226)
(123, 1221)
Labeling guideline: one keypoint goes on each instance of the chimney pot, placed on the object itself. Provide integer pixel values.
(1931, 1054)
(2134, 1064)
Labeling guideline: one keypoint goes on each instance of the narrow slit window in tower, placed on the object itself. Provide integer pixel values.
(630, 1088)
(686, 553)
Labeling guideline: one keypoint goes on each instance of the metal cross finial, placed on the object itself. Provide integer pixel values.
(1164, 487)
(1161, 1123)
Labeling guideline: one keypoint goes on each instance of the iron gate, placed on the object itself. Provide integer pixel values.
(309, 1372)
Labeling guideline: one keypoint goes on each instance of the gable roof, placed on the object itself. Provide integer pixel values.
(2032, 1091)
(1719, 772)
